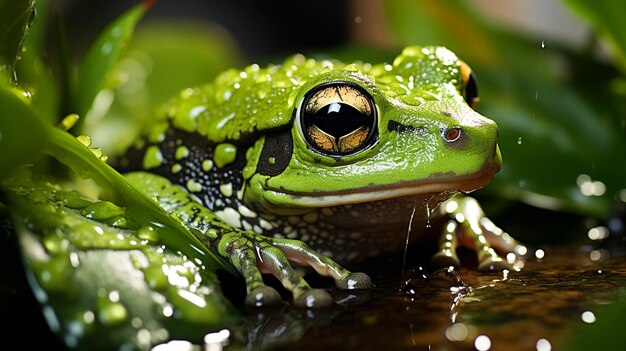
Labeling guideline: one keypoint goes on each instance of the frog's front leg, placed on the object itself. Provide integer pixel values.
(251, 254)
(468, 226)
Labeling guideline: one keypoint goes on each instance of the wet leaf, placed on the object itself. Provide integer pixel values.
(108, 274)
(69, 151)
(102, 57)
(105, 280)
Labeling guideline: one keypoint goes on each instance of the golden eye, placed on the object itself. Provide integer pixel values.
(470, 85)
(338, 118)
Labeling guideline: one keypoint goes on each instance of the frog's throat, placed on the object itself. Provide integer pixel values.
(439, 184)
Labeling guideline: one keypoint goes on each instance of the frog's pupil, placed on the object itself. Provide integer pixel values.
(338, 119)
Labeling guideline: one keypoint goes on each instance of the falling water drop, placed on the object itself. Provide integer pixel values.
(427, 214)
(406, 244)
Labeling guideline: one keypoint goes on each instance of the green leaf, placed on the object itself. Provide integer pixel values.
(102, 57)
(163, 58)
(15, 16)
(22, 134)
(108, 274)
(607, 18)
(105, 281)
(606, 331)
(81, 160)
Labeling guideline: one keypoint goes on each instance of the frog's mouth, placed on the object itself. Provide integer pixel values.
(439, 183)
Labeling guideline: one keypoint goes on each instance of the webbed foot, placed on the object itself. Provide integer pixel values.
(253, 254)
(468, 226)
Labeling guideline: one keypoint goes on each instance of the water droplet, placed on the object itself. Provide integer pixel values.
(598, 233)
(215, 341)
(106, 48)
(88, 317)
(144, 337)
(413, 51)
(351, 68)
(588, 317)
(102, 210)
(148, 233)
(262, 93)
(543, 345)
(33, 17)
(540, 254)
(457, 332)
(96, 151)
(84, 139)
(482, 343)
(111, 313)
(408, 236)
(175, 345)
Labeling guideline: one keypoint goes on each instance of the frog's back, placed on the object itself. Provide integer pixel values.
(238, 104)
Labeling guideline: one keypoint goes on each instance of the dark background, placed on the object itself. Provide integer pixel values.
(261, 28)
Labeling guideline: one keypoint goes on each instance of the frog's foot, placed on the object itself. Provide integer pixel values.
(468, 227)
(254, 254)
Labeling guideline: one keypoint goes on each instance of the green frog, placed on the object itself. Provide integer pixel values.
(320, 162)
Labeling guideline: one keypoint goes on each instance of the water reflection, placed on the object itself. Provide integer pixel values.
(446, 309)
(532, 309)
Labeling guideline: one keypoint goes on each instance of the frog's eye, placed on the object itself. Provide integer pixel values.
(470, 85)
(337, 118)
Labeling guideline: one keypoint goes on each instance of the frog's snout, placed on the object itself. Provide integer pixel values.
(480, 139)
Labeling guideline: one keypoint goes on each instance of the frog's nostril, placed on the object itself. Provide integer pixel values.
(451, 135)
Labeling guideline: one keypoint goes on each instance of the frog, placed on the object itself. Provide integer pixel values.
(320, 163)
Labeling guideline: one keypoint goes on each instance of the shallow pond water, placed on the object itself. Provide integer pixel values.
(541, 307)
(557, 301)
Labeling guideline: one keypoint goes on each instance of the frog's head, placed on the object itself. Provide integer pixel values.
(365, 133)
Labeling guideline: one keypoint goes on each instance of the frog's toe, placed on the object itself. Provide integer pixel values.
(356, 280)
(263, 296)
(498, 238)
(469, 227)
(314, 298)
(448, 242)
(493, 263)
(299, 252)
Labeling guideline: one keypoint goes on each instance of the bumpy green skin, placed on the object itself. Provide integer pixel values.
(251, 183)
